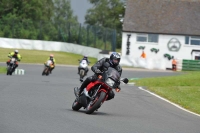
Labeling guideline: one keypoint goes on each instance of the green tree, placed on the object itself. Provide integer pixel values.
(63, 12)
(26, 9)
(106, 14)
(65, 21)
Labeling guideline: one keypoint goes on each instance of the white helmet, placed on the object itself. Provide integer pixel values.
(16, 51)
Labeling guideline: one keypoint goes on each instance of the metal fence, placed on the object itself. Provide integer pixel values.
(87, 35)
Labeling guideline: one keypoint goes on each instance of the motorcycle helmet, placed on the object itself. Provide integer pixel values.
(51, 56)
(16, 51)
(115, 58)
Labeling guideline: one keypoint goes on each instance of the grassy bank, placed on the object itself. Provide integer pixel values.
(183, 90)
(2, 69)
(35, 56)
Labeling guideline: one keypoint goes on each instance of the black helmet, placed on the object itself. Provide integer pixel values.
(115, 58)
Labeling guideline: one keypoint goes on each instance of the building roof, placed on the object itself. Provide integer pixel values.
(180, 17)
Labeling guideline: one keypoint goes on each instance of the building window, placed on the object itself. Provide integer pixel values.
(147, 38)
(192, 40)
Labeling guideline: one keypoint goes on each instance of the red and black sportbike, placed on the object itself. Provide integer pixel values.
(97, 92)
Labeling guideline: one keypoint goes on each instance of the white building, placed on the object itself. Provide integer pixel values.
(164, 28)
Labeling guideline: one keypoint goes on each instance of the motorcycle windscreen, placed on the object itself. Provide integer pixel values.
(113, 74)
(49, 62)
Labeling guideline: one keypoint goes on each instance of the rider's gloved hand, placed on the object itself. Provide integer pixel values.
(97, 71)
(118, 89)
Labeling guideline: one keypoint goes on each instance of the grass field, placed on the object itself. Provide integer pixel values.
(35, 56)
(2, 69)
(183, 90)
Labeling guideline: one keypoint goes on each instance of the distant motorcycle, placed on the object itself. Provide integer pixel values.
(83, 69)
(97, 92)
(47, 68)
(11, 66)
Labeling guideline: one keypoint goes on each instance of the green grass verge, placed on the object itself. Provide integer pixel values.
(183, 90)
(36, 56)
(2, 69)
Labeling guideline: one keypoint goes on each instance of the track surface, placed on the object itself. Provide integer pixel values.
(42, 104)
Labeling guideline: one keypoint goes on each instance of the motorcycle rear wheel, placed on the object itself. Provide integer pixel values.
(96, 103)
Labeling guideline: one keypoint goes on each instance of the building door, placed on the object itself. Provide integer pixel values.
(195, 54)
(197, 58)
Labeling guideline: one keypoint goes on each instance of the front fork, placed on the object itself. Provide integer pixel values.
(94, 95)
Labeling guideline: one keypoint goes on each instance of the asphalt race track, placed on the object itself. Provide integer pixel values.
(33, 103)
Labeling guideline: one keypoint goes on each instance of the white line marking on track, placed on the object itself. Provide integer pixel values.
(169, 102)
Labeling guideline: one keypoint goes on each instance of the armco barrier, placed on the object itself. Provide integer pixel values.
(191, 65)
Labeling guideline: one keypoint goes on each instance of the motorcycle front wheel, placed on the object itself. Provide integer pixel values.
(43, 73)
(76, 106)
(9, 71)
(82, 73)
(96, 103)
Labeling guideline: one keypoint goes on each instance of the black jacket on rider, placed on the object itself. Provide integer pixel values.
(102, 65)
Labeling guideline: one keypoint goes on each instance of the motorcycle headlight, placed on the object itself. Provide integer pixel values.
(110, 82)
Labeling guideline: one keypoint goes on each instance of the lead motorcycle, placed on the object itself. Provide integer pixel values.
(83, 69)
(96, 92)
(11, 66)
(47, 67)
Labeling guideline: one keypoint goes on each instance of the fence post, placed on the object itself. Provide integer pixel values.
(105, 39)
(13, 28)
(40, 36)
(69, 34)
(114, 41)
(95, 36)
(88, 35)
(79, 36)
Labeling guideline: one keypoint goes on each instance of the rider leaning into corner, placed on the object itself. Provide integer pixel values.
(101, 66)
(15, 55)
(51, 57)
(85, 57)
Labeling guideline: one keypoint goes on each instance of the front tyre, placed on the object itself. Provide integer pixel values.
(47, 71)
(9, 72)
(82, 73)
(96, 103)
(44, 71)
(76, 106)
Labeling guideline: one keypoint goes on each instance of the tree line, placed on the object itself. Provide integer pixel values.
(53, 20)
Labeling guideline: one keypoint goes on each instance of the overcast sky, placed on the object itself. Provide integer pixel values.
(79, 8)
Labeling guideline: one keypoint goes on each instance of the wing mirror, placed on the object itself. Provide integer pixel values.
(125, 80)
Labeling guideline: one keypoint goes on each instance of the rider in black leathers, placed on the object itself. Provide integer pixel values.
(101, 66)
